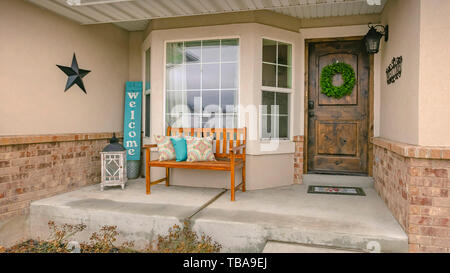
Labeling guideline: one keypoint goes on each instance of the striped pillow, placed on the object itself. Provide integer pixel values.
(165, 148)
(200, 149)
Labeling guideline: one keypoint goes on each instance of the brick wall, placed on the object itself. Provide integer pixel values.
(36, 167)
(298, 159)
(414, 182)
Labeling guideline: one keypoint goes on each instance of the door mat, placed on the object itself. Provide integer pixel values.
(336, 190)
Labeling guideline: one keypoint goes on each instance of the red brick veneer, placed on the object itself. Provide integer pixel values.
(414, 182)
(35, 167)
(298, 159)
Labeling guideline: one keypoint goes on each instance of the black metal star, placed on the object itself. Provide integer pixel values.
(75, 74)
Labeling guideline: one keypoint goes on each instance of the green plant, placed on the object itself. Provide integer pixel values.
(326, 80)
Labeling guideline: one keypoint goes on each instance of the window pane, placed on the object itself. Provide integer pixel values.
(211, 51)
(202, 83)
(228, 101)
(268, 99)
(269, 51)
(210, 76)
(269, 75)
(229, 75)
(229, 121)
(266, 130)
(193, 75)
(211, 121)
(276, 123)
(284, 54)
(230, 50)
(283, 127)
(186, 121)
(284, 77)
(174, 77)
(193, 52)
(147, 115)
(174, 53)
(147, 69)
(194, 101)
(210, 102)
(282, 102)
(176, 102)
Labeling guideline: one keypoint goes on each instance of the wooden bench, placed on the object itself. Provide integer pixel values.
(229, 152)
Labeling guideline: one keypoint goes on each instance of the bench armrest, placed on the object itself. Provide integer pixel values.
(150, 146)
(238, 148)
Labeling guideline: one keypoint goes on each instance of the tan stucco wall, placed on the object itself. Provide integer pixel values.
(135, 56)
(32, 97)
(265, 17)
(434, 86)
(399, 113)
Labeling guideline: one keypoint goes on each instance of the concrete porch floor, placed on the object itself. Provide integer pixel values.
(282, 216)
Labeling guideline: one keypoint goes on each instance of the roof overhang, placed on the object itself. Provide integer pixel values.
(134, 15)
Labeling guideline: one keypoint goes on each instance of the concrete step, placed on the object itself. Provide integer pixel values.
(286, 214)
(338, 180)
(289, 214)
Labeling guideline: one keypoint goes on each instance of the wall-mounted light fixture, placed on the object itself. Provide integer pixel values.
(373, 37)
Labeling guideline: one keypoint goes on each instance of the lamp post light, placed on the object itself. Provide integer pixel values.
(373, 37)
(114, 164)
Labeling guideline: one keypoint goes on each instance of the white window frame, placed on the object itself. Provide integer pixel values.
(203, 39)
(289, 91)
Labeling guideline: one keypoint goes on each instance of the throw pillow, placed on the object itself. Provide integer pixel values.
(179, 144)
(165, 148)
(200, 149)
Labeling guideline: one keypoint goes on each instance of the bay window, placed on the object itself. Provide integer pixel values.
(202, 83)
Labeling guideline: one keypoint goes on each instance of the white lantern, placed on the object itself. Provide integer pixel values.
(114, 164)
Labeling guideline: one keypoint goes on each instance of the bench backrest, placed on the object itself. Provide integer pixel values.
(224, 138)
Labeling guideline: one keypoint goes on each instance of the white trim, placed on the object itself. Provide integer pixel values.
(289, 91)
(277, 89)
(146, 44)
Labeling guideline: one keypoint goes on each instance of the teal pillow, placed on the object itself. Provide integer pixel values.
(179, 144)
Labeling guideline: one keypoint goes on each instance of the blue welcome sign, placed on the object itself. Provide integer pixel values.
(132, 120)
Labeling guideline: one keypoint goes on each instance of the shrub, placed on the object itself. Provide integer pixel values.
(179, 240)
(184, 240)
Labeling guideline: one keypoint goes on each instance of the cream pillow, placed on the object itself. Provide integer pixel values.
(200, 149)
(165, 148)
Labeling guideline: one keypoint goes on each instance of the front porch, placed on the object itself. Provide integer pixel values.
(283, 214)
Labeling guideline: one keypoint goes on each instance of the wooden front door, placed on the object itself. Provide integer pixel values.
(338, 128)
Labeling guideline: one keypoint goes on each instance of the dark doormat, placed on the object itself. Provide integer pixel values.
(336, 190)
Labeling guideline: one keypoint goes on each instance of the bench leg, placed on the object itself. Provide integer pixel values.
(243, 178)
(167, 176)
(147, 171)
(232, 182)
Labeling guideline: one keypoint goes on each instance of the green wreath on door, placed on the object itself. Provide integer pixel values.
(326, 80)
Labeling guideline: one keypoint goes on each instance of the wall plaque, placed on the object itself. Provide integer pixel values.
(394, 70)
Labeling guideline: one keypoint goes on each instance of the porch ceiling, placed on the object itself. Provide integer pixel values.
(134, 15)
